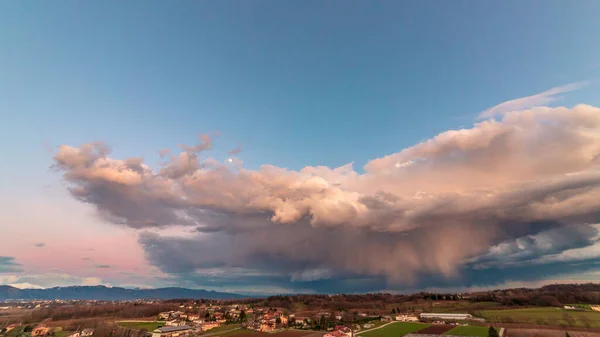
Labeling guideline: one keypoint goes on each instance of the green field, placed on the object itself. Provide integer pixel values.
(581, 306)
(475, 331)
(395, 330)
(148, 325)
(544, 316)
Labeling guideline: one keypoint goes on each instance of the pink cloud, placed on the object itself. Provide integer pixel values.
(473, 187)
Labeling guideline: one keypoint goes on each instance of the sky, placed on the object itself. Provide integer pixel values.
(265, 147)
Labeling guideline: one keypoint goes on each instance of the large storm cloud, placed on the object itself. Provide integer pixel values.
(521, 189)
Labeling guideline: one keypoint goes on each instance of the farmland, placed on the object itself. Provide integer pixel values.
(475, 331)
(395, 330)
(544, 316)
(436, 329)
(549, 333)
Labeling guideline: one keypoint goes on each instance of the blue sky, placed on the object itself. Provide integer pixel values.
(294, 83)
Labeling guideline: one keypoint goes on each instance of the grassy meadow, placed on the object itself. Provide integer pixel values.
(396, 329)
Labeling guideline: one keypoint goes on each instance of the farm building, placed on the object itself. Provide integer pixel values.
(407, 318)
(451, 317)
(172, 331)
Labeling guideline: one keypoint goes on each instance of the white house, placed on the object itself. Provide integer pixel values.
(406, 318)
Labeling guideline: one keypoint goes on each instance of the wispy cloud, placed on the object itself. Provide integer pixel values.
(8, 264)
(237, 150)
(39, 244)
(102, 266)
(527, 102)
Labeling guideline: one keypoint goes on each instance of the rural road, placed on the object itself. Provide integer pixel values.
(137, 321)
(379, 327)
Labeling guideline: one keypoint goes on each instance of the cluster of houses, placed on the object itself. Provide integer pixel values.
(269, 321)
(181, 319)
(180, 323)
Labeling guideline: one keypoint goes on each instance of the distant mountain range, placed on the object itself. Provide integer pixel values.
(109, 293)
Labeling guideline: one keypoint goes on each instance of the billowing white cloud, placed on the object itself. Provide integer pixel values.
(429, 208)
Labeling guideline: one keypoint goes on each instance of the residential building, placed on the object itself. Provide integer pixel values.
(40, 330)
(169, 315)
(193, 317)
(344, 330)
(267, 327)
(173, 331)
(210, 325)
(175, 322)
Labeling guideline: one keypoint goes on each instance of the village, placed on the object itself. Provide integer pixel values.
(369, 315)
(213, 319)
